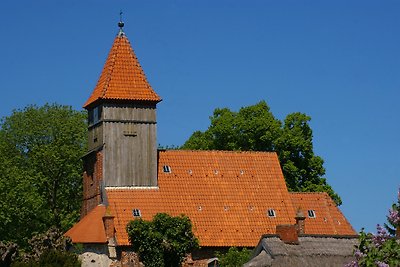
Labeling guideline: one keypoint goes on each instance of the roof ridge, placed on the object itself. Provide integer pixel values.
(110, 71)
(218, 151)
(308, 193)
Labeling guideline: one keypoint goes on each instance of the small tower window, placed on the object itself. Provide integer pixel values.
(167, 169)
(95, 115)
(136, 213)
(311, 213)
(271, 213)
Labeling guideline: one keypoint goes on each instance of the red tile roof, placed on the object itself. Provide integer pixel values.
(89, 229)
(225, 194)
(122, 77)
(328, 220)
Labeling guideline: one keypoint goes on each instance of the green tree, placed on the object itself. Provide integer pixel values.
(252, 128)
(164, 241)
(234, 257)
(40, 170)
(255, 128)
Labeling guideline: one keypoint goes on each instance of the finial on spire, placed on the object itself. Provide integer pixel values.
(120, 24)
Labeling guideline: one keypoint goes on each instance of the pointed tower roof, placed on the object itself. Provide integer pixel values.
(122, 77)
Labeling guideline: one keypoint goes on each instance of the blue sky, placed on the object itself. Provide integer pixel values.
(337, 61)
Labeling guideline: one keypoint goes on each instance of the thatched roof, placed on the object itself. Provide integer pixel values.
(311, 251)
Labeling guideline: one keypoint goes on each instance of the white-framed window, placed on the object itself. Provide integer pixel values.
(271, 213)
(136, 213)
(311, 213)
(166, 169)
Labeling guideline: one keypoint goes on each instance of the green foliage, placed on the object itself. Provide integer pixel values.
(162, 242)
(383, 248)
(255, 128)
(394, 216)
(40, 170)
(234, 257)
(377, 250)
(52, 258)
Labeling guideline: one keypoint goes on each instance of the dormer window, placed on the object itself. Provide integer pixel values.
(311, 213)
(166, 169)
(271, 213)
(136, 213)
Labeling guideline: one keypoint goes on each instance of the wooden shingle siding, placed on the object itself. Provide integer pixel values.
(130, 154)
(130, 112)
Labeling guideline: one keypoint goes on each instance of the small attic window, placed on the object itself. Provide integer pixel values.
(311, 213)
(166, 169)
(136, 213)
(271, 213)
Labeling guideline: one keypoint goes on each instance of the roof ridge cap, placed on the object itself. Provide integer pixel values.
(308, 193)
(132, 187)
(217, 150)
(134, 57)
(109, 72)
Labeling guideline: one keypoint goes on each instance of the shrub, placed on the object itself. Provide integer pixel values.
(383, 248)
(165, 241)
(52, 258)
(234, 257)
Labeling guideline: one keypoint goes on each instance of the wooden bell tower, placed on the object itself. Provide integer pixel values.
(122, 140)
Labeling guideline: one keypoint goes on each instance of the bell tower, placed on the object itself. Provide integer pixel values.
(122, 142)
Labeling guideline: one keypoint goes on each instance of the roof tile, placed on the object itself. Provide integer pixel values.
(89, 229)
(122, 77)
(328, 220)
(204, 196)
(227, 208)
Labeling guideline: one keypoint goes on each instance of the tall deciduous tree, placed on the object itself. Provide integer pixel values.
(255, 128)
(40, 170)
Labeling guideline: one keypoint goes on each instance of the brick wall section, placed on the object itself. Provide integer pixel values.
(92, 178)
(128, 259)
(287, 233)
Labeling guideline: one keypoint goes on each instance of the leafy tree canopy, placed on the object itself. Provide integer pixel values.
(255, 128)
(165, 241)
(40, 170)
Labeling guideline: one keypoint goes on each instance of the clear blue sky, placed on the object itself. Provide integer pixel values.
(337, 61)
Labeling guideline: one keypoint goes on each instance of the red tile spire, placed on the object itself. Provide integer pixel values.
(122, 77)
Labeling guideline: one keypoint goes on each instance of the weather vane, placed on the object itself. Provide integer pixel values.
(120, 23)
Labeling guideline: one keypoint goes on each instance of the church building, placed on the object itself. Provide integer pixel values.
(232, 198)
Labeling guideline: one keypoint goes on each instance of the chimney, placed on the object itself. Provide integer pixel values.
(287, 233)
(300, 222)
(108, 221)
